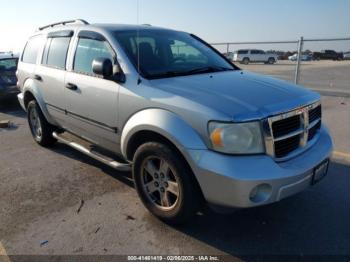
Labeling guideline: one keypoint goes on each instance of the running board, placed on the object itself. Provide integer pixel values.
(110, 162)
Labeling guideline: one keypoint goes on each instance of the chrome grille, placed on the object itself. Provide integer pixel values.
(285, 126)
(289, 133)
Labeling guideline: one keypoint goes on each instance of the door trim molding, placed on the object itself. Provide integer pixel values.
(84, 119)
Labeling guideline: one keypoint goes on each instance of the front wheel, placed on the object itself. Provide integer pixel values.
(271, 60)
(41, 129)
(165, 184)
(245, 61)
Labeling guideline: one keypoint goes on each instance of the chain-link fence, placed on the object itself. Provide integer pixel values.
(324, 64)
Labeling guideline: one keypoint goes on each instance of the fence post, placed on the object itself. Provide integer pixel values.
(228, 48)
(297, 68)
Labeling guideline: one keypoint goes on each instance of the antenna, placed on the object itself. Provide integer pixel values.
(138, 46)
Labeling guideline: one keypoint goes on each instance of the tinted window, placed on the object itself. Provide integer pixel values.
(163, 53)
(182, 51)
(242, 52)
(254, 52)
(55, 52)
(31, 50)
(87, 51)
(9, 64)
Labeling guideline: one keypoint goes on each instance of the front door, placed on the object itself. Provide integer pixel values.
(92, 102)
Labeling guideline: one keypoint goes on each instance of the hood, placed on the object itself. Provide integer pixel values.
(242, 95)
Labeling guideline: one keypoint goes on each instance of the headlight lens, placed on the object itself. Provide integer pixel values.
(233, 138)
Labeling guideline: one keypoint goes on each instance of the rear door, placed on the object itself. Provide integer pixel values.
(254, 55)
(92, 101)
(51, 71)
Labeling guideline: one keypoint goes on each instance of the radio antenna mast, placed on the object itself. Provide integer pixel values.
(138, 45)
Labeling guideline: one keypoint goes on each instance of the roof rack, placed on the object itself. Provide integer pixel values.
(80, 21)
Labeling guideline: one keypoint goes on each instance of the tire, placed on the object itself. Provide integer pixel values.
(271, 61)
(157, 194)
(41, 129)
(245, 61)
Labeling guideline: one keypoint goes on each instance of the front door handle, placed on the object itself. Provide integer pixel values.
(37, 77)
(71, 86)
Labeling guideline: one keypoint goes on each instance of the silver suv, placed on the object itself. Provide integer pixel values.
(192, 126)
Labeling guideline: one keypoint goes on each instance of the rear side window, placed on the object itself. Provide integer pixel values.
(242, 52)
(55, 52)
(31, 50)
(87, 51)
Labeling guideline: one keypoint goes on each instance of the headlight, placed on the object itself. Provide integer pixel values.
(232, 138)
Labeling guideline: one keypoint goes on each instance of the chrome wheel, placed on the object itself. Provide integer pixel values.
(35, 124)
(159, 183)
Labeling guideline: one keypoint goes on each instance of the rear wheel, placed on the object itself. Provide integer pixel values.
(164, 183)
(41, 129)
(245, 61)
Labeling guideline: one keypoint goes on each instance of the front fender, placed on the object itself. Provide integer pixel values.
(165, 123)
(31, 87)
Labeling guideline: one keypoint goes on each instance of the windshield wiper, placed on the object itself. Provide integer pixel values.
(200, 70)
(167, 74)
(208, 69)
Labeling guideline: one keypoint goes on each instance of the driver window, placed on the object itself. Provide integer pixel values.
(87, 51)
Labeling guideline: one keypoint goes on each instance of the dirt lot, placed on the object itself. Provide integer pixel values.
(327, 77)
(57, 201)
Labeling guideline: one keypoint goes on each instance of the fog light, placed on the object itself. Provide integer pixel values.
(260, 193)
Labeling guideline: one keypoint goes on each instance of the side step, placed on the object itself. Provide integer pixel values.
(99, 157)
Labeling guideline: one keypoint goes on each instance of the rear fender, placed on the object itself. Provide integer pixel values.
(30, 86)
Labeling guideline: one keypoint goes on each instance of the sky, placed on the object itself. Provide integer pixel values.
(214, 21)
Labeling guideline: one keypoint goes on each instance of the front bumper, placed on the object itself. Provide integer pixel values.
(228, 180)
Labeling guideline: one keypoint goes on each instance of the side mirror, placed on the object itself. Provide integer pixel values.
(102, 66)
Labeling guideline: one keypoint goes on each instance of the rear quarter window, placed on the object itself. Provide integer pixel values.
(31, 49)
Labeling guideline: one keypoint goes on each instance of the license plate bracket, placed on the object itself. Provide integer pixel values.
(320, 172)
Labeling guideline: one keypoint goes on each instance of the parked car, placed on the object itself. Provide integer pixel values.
(191, 126)
(246, 56)
(328, 54)
(305, 57)
(347, 56)
(229, 55)
(8, 79)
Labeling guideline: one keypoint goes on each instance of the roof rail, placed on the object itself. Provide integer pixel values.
(81, 21)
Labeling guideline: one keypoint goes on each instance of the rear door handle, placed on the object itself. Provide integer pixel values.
(37, 77)
(71, 86)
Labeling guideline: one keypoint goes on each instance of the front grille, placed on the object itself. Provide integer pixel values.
(315, 114)
(286, 126)
(288, 132)
(284, 147)
(313, 130)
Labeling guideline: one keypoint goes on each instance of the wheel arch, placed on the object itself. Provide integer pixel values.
(162, 125)
(31, 91)
(157, 125)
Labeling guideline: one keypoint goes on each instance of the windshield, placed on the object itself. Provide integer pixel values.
(165, 53)
(9, 64)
